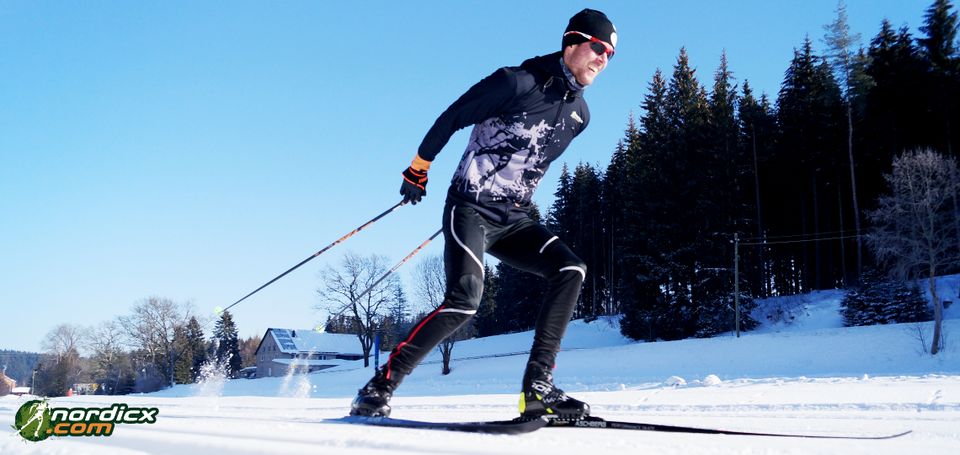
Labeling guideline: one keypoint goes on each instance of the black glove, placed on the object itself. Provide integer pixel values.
(414, 185)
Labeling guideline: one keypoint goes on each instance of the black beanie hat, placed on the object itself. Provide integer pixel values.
(593, 23)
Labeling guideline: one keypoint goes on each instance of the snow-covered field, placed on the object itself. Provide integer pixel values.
(808, 375)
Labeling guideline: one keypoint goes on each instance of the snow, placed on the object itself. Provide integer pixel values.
(801, 371)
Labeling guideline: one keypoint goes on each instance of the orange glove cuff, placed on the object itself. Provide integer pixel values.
(420, 164)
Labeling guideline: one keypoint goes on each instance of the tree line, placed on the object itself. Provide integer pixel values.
(795, 183)
(793, 179)
(18, 365)
(158, 344)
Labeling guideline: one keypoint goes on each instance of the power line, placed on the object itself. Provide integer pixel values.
(781, 242)
(854, 233)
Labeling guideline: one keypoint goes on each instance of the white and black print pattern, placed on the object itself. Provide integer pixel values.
(503, 162)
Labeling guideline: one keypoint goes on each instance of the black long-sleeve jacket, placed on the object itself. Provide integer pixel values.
(524, 118)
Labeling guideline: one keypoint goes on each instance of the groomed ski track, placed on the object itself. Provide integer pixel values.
(929, 405)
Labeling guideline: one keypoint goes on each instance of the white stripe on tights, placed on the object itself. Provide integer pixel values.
(545, 244)
(454, 310)
(573, 267)
(454, 232)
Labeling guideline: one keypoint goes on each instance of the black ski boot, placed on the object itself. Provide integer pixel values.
(373, 400)
(540, 398)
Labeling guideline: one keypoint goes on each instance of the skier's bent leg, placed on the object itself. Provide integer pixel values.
(533, 248)
(374, 398)
(563, 291)
(465, 239)
(461, 303)
(539, 396)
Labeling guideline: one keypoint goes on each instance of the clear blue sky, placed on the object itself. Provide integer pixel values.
(194, 150)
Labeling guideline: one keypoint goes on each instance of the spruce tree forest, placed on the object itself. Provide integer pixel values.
(787, 179)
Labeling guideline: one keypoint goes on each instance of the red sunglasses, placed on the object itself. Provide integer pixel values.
(596, 44)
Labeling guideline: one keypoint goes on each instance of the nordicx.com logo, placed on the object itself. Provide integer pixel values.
(36, 420)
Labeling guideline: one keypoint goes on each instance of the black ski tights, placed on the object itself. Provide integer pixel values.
(525, 245)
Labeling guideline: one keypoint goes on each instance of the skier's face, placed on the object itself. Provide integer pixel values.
(584, 62)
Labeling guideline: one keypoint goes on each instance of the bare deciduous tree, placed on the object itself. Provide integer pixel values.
(62, 367)
(341, 289)
(914, 224)
(63, 339)
(105, 344)
(431, 286)
(151, 328)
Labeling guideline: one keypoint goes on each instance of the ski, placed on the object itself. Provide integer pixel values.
(520, 426)
(516, 426)
(596, 422)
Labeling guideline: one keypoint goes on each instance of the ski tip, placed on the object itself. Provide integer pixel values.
(896, 435)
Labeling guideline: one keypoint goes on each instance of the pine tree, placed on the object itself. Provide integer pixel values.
(339, 324)
(196, 346)
(940, 43)
(248, 351)
(182, 369)
(399, 318)
(757, 129)
(895, 109)
(228, 344)
(840, 43)
(908, 304)
(882, 300)
(585, 236)
(649, 192)
(518, 298)
(784, 167)
(725, 209)
(810, 115)
(612, 219)
(645, 147)
(485, 321)
(558, 216)
(939, 49)
(646, 199)
(689, 228)
(723, 161)
(669, 208)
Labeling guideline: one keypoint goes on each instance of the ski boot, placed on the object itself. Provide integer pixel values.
(540, 398)
(373, 400)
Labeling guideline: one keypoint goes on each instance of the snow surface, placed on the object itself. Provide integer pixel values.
(801, 371)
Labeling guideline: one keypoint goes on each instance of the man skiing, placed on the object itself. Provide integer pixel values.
(524, 117)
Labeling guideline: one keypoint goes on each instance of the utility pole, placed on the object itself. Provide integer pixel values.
(736, 280)
(376, 351)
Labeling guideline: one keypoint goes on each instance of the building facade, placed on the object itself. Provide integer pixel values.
(284, 351)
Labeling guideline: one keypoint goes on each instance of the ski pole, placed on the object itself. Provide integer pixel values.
(394, 269)
(318, 253)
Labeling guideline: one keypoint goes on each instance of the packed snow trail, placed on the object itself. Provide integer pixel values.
(929, 405)
(809, 376)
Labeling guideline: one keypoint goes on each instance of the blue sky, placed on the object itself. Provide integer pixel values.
(194, 150)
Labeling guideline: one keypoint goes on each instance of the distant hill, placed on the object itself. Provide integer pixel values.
(19, 365)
